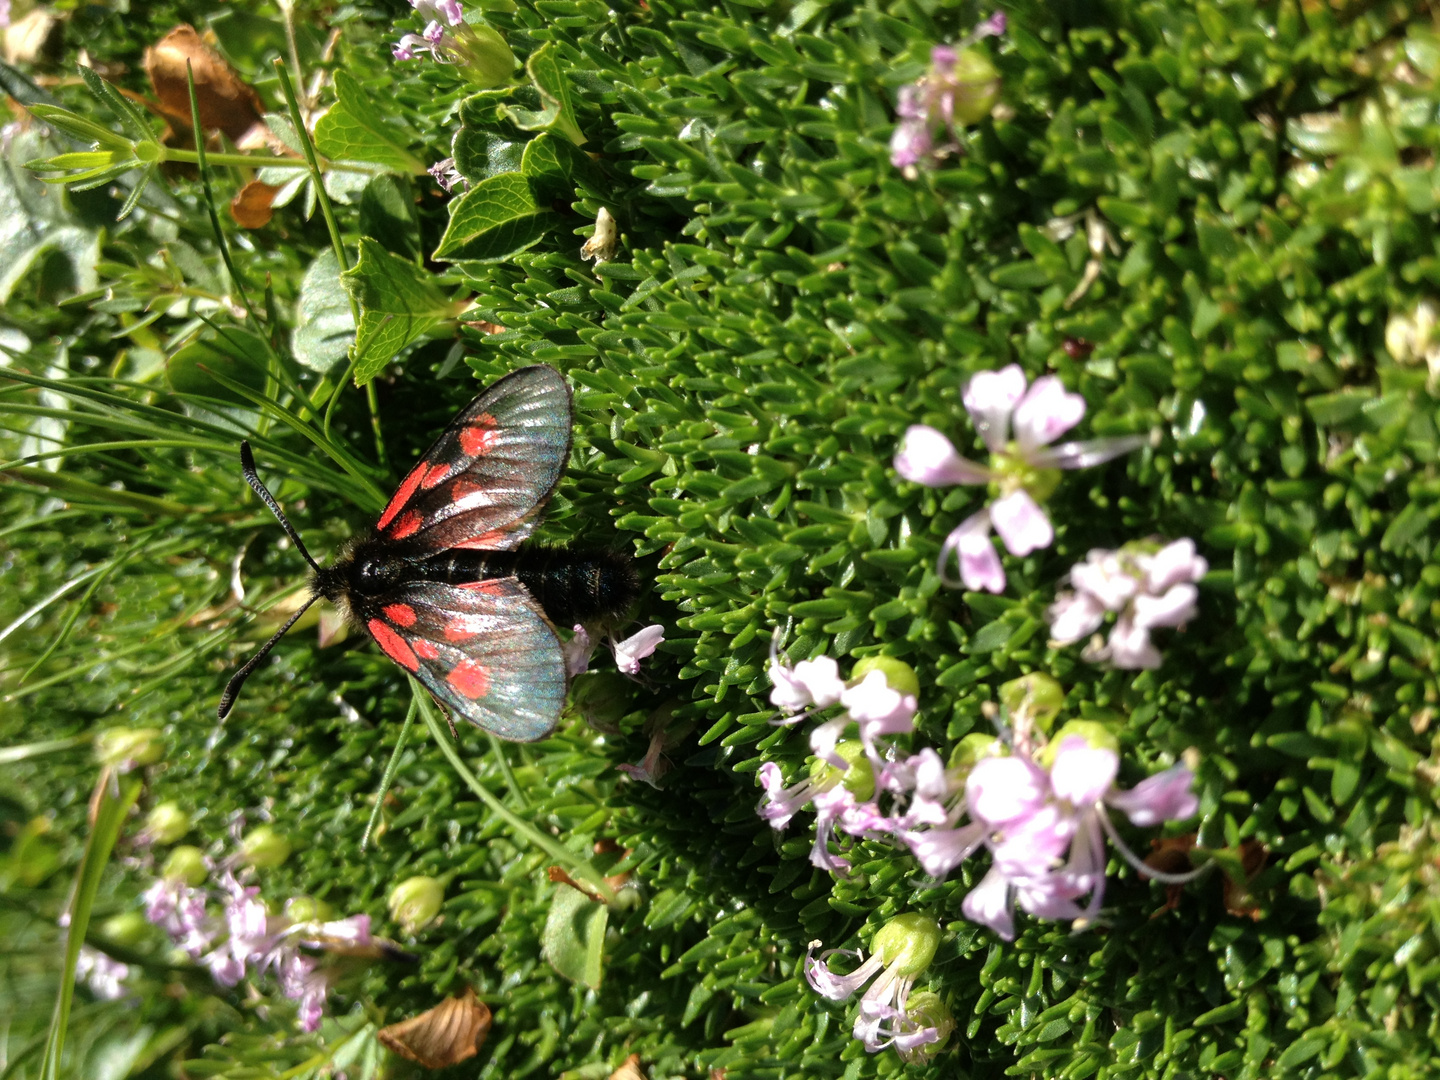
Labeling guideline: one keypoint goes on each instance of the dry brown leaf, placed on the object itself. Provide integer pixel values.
(227, 103)
(630, 1070)
(35, 39)
(443, 1036)
(251, 205)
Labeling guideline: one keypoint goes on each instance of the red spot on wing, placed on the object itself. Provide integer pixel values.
(426, 650)
(408, 523)
(393, 644)
(480, 437)
(487, 541)
(400, 614)
(470, 678)
(402, 495)
(436, 474)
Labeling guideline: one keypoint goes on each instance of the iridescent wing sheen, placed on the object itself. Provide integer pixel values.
(489, 474)
(485, 649)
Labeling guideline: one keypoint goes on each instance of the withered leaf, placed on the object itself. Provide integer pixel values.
(227, 103)
(251, 205)
(443, 1036)
(630, 1070)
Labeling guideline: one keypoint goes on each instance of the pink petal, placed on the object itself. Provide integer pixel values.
(927, 457)
(1000, 790)
(1175, 563)
(1084, 455)
(1021, 523)
(1176, 607)
(1046, 413)
(940, 851)
(1106, 578)
(637, 647)
(990, 397)
(1081, 774)
(1074, 616)
(821, 679)
(979, 562)
(1165, 796)
(989, 904)
(1129, 647)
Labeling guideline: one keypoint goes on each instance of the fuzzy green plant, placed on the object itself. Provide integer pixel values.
(1215, 222)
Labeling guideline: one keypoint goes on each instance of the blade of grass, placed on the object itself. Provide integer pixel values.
(114, 797)
(389, 775)
(577, 866)
(11, 754)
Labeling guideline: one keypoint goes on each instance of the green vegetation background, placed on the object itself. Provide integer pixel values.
(783, 305)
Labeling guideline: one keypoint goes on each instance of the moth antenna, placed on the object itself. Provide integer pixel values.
(232, 688)
(247, 469)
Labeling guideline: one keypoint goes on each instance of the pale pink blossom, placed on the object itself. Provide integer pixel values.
(1148, 587)
(879, 710)
(637, 647)
(1017, 425)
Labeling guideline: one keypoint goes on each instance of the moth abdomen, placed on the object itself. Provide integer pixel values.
(571, 585)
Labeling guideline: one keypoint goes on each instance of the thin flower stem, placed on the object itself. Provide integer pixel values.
(501, 760)
(572, 862)
(390, 767)
(1139, 863)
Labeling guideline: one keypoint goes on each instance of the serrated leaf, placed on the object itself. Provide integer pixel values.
(324, 327)
(398, 301)
(353, 130)
(494, 220)
(574, 938)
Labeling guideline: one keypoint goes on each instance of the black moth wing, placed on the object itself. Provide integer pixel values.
(484, 649)
(487, 477)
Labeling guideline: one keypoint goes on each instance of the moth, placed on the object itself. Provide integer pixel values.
(445, 583)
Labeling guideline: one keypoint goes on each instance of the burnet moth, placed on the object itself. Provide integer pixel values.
(443, 583)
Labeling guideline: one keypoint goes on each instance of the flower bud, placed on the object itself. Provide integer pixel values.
(130, 928)
(127, 748)
(977, 86)
(488, 59)
(166, 823)
(899, 675)
(907, 943)
(415, 902)
(264, 848)
(1035, 695)
(926, 1010)
(187, 864)
(858, 779)
(969, 750)
(307, 909)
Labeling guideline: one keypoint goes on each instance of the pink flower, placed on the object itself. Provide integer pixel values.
(809, 683)
(1148, 587)
(960, 88)
(102, 973)
(878, 710)
(1021, 468)
(637, 647)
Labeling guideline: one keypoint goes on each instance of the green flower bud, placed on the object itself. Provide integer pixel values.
(969, 750)
(907, 943)
(127, 748)
(186, 864)
(264, 848)
(415, 902)
(899, 675)
(1036, 695)
(488, 59)
(977, 86)
(129, 928)
(307, 909)
(926, 1010)
(166, 823)
(859, 778)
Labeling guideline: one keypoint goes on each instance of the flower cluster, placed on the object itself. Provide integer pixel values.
(1148, 586)
(917, 1025)
(247, 940)
(960, 88)
(1023, 472)
(476, 49)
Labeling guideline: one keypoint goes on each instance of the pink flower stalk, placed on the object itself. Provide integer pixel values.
(1146, 587)
(1022, 470)
(637, 647)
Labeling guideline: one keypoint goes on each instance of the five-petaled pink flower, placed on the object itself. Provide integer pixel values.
(1022, 469)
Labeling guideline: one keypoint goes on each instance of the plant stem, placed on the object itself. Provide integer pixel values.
(390, 767)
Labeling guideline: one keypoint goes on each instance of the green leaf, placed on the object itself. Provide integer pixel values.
(353, 130)
(324, 326)
(494, 220)
(115, 797)
(558, 112)
(574, 937)
(398, 301)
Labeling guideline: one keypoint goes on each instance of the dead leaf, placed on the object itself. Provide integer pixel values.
(630, 1070)
(226, 102)
(251, 206)
(486, 327)
(443, 1036)
(35, 39)
(1238, 900)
